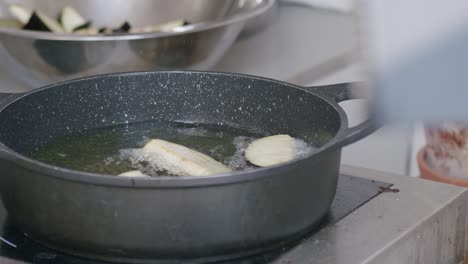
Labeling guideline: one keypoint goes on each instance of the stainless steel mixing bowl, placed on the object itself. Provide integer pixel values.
(41, 58)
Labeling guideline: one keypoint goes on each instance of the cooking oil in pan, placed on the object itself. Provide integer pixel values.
(116, 149)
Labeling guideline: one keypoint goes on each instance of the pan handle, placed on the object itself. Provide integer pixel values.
(339, 93)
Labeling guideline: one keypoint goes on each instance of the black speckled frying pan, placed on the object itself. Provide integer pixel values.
(200, 218)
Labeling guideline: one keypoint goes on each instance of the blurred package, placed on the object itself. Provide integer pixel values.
(446, 151)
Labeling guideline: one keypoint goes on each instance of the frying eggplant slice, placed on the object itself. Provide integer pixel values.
(21, 13)
(71, 20)
(271, 150)
(165, 27)
(180, 160)
(134, 173)
(41, 22)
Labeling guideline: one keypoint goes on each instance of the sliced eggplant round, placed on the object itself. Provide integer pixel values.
(71, 20)
(165, 27)
(272, 150)
(180, 160)
(134, 173)
(10, 23)
(21, 13)
(41, 22)
(87, 31)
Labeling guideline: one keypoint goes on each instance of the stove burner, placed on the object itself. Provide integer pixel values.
(352, 192)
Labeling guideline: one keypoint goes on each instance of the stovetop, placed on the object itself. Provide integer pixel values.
(352, 192)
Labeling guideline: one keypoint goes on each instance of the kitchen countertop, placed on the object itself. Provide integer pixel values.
(301, 45)
(425, 222)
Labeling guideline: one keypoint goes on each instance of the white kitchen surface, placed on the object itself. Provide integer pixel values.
(302, 44)
(424, 222)
(417, 51)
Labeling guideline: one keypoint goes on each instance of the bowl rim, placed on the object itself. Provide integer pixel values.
(258, 9)
(426, 172)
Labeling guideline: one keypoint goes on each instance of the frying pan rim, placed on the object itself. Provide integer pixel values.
(167, 181)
